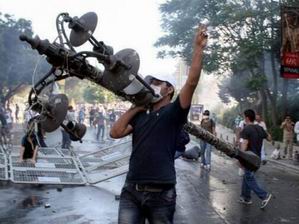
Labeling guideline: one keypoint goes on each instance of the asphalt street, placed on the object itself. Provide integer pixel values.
(202, 196)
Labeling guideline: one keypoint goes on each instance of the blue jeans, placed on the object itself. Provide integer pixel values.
(101, 131)
(206, 150)
(66, 141)
(137, 206)
(249, 184)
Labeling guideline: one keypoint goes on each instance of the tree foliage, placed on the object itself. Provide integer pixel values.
(17, 60)
(85, 91)
(244, 45)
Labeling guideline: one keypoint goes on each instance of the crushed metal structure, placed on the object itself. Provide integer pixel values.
(67, 167)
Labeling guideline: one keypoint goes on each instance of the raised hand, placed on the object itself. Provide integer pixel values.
(201, 37)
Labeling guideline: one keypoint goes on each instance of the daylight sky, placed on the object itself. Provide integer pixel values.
(121, 23)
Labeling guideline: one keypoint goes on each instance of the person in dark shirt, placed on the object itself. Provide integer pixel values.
(29, 147)
(253, 136)
(149, 191)
(208, 124)
(100, 118)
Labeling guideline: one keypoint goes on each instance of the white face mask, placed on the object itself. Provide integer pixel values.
(157, 90)
(205, 117)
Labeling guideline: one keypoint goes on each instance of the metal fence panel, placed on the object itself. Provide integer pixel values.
(47, 170)
(106, 163)
(3, 167)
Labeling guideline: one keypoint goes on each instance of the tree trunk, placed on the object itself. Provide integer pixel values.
(273, 104)
(264, 103)
(273, 97)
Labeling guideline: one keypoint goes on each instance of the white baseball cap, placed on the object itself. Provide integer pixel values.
(162, 77)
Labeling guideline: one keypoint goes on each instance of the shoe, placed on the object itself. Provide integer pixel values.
(245, 202)
(266, 201)
(202, 165)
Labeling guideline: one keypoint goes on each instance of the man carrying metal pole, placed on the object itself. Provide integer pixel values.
(149, 192)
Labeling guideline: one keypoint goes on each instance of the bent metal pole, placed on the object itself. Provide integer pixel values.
(247, 158)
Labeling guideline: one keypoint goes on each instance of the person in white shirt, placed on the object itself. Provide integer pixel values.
(259, 121)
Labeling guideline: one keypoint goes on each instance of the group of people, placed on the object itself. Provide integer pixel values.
(290, 132)
(149, 192)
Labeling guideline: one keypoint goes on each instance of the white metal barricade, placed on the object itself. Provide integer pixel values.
(3, 167)
(63, 166)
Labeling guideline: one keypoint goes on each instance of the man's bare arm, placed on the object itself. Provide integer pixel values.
(121, 127)
(195, 69)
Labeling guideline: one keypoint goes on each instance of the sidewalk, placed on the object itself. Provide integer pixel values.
(228, 135)
(291, 164)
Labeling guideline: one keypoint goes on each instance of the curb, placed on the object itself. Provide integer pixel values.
(289, 166)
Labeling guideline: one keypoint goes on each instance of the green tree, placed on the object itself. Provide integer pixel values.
(87, 91)
(17, 61)
(96, 94)
(244, 41)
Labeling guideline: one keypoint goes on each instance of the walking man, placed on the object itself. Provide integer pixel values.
(206, 149)
(253, 136)
(149, 192)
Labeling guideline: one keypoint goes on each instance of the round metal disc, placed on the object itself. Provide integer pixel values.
(119, 79)
(89, 21)
(56, 110)
(80, 130)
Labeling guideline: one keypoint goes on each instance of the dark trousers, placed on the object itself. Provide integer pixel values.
(137, 206)
(101, 131)
(66, 140)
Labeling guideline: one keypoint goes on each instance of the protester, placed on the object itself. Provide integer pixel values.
(92, 115)
(100, 122)
(296, 130)
(253, 136)
(29, 146)
(66, 140)
(9, 118)
(81, 116)
(208, 124)
(17, 112)
(149, 191)
(288, 136)
(112, 118)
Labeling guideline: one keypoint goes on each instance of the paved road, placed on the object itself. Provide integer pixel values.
(203, 197)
